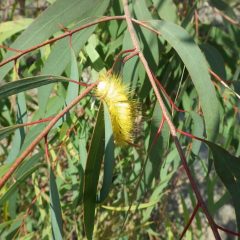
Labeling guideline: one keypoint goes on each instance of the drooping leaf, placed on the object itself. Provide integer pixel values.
(228, 169)
(167, 10)
(9, 28)
(108, 156)
(6, 131)
(95, 155)
(197, 67)
(24, 84)
(55, 209)
(72, 91)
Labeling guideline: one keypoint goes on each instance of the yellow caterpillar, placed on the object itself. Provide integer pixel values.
(122, 110)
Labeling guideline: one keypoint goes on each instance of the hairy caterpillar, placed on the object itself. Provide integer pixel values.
(122, 110)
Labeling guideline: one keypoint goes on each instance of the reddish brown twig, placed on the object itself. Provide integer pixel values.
(131, 55)
(10, 49)
(47, 155)
(118, 57)
(168, 120)
(196, 23)
(161, 88)
(26, 152)
(190, 220)
(66, 34)
(228, 231)
(227, 18)
(190, 135)
(158, 132)
(218, 78)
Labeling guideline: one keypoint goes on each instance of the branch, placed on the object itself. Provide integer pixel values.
(223, 82)
(66, 34)
(190, 220)
(228, 231)
(168, 120)
(227, 18)
(25, 153)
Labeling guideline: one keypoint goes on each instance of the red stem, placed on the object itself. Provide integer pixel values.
(167, 96)
(190, 135)
(117, 58)
(131, 55)
(228, 231)
(158, 132)
(190, 220)
(10, 49)
(69, 33)
(47, 150)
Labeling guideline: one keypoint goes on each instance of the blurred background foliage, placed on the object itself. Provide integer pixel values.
(39, 202)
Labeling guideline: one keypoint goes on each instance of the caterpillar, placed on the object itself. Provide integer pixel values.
(122, 109)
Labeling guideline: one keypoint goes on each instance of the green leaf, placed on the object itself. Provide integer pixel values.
(24, 84)
(19, 135)
(228, 169)
(214, 59)
(29, 163)
(12, 227)
(167, 10)
(132, 208)
(148, 39)
(32, 134)
(197, 130)
(7, 29)
(109, 159)
(197, 66)
(55, 209)
(18, 220)
(95, 58)
(130, 70)
(5, 132)
(92, 171)
(72, 91)
(4, 168)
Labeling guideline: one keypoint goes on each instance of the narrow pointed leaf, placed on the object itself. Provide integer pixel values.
(55, 209)
(228, 169)
(197, 67)
(24, 84)
(95, 155)
(109, 159)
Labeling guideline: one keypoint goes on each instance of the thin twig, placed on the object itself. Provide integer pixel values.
(10, 49)
(190, 221)
(26, 152)
(218, 78)
(66, 34)
(228, 231)
(227, 18)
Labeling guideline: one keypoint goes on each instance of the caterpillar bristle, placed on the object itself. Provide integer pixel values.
(122, 109)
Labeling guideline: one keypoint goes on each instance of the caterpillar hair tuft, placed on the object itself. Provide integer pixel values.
(122, 109)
